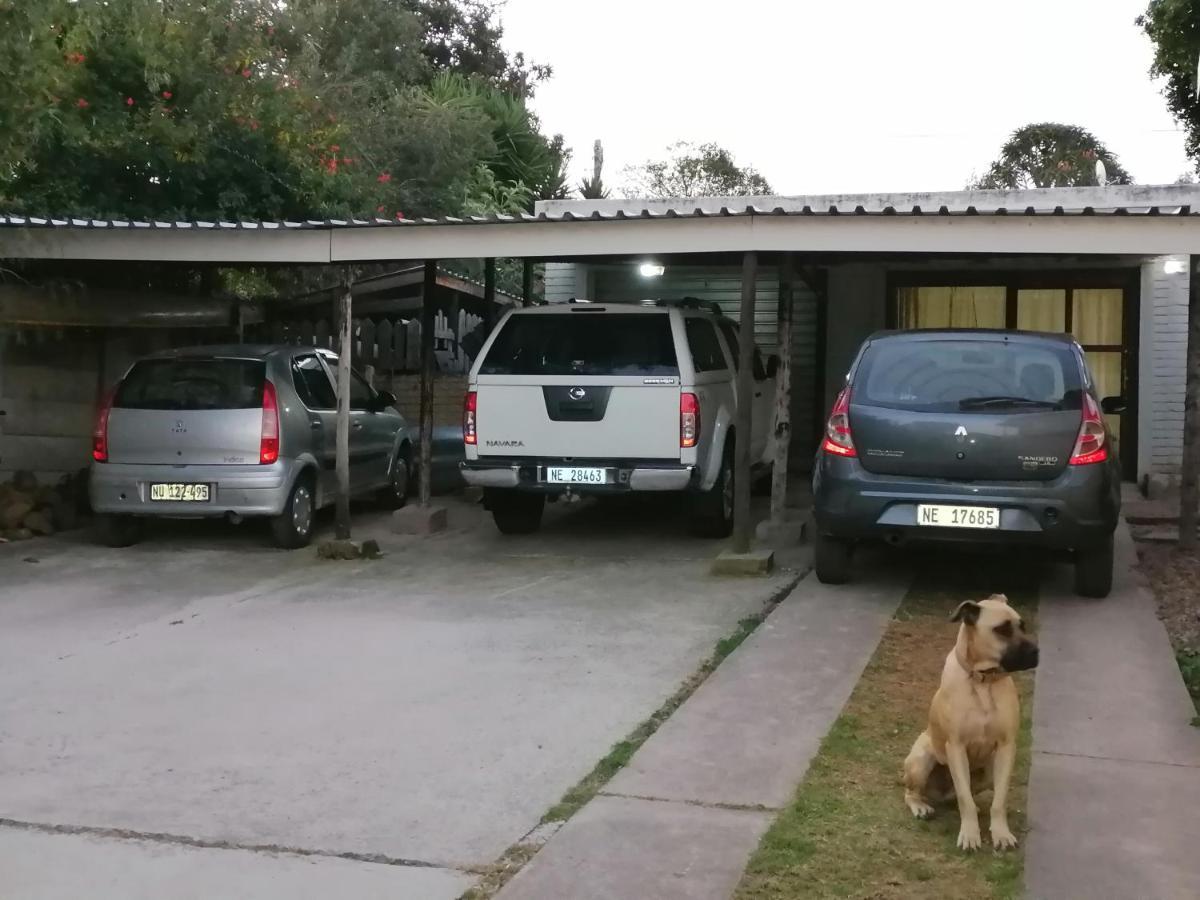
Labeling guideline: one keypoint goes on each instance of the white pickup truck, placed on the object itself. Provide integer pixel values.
(600, 398)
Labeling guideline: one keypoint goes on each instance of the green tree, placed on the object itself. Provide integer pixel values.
(1050, 154)
(593, 188)
(705, 170)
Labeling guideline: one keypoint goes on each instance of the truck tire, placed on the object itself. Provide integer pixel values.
(1094, 569)
(712, 510)
(117, 531)
(293, 527)
(831, 559)
(517, 512)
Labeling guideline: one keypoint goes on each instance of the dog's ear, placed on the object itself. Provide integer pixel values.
(968, 612)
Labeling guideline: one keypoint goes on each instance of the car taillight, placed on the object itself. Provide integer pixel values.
(689, 420)
(838, 439)
(268, 447)
(470, 407)
(1090, 446)
(100, 432)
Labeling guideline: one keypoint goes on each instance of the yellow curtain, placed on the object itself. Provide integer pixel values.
(952, 307)
(1096, 316)
(1042, 310)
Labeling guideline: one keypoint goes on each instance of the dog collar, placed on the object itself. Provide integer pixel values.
(981, 675)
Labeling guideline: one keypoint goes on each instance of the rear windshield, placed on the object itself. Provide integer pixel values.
(583, 344)
(965, 375)
(192, 384)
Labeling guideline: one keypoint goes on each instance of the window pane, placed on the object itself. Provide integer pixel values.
(360, 394)
(192, 384)
(706, 349)
(1096, 316)
(952, 307)
(1042, 310)
(583, 343)
(731, 338)
(312, 384)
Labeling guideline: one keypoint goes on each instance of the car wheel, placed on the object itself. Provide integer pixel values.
(1094, 569)
(117, 531)
(293, 527)
(396, 494)
(712, 510)
(832, 559)
(516, 512)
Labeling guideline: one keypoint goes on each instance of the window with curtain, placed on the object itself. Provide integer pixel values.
(952, 307)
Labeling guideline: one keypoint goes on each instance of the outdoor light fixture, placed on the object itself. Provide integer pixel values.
(650, 270)
(1174, 267)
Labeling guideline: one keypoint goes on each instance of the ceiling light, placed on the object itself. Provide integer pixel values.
(1174, 267)
(650, 270)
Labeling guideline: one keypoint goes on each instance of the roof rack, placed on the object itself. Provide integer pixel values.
(692, 303)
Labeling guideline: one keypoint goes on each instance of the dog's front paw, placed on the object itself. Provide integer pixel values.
(968, 836)
(917, 806)
(1002, 838)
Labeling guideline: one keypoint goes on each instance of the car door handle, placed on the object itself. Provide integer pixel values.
(315, 423)
(357, 426)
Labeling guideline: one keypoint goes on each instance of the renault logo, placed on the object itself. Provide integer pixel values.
(577, 393)
(960, 431)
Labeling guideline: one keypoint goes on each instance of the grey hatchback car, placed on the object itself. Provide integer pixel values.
(239, 431)
(969, 435)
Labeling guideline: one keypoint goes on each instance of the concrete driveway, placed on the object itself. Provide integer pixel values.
(202, 715)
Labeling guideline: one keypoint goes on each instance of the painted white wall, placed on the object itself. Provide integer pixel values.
(1162, 367)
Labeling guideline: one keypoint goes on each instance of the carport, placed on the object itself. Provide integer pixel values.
(797, 240)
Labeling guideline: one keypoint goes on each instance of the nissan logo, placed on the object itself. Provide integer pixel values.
(577, 393)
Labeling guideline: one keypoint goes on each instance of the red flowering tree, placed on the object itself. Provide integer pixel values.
(1050, 154)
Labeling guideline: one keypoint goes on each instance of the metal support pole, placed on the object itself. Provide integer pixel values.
(428, 296)
(526, 282)
(489, 294)
(745, 403)
(783, 391)
(1189, 481)
(342, 461)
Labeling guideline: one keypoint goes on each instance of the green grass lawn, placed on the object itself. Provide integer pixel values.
(848, 832)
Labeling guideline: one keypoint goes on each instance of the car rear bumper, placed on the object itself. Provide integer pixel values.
(124, 489)
(1077, 509)
(530, 474)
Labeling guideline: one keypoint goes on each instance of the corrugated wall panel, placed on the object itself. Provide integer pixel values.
(1168, 365)
(560, 282)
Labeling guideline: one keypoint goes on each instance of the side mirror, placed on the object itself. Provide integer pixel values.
(383, 399)
(772, 365)
(1113, 405)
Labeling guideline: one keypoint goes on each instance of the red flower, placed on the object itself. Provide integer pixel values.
(379, 209)
(82, 104)
(167, 95)
(129, 101)
(245, 73)
(75, 58)
(384, 177)
(254, 124)
(335, 148)
(399, 215)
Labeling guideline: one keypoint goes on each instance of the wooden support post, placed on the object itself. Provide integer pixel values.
(428, 296)
(489, 294)
(783, 391)
(1189, 481)
(342, 458)
(526, 282)
(745, 405)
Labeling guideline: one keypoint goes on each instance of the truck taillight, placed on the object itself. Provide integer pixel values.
(689, 420)
(470, 408)
(1091, 445)
(100, 432)
(838, 439)
(268, 445)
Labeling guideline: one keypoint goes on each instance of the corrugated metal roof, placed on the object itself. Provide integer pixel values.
(12, 221)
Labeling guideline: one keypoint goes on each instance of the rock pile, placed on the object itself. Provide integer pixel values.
(28, 509)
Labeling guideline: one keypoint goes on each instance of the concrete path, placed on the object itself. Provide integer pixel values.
(683, 818)
(1115, 783)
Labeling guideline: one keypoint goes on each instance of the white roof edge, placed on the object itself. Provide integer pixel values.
(1073, 198)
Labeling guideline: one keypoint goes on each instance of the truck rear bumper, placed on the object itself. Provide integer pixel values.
(623, 475)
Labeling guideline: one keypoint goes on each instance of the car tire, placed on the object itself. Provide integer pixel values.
(712, 510)
(831, 559)
(117, 531)
(516, 512)
(293, 527)
(1094, 569)
(399, 488)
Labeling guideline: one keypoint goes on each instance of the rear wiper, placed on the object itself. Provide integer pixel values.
(1003, 400)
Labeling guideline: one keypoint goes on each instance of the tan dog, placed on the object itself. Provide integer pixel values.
(973, 721)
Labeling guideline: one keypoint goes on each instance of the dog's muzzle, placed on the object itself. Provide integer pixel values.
(1019, 657)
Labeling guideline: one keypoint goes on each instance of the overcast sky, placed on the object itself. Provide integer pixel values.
(857, 95)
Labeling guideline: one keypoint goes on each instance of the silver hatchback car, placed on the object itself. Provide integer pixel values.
(239, 431)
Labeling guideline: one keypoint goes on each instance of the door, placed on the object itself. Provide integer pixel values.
(368, 459)
(315, 391)
(762, 401)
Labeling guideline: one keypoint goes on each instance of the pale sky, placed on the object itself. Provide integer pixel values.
(824, 96)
